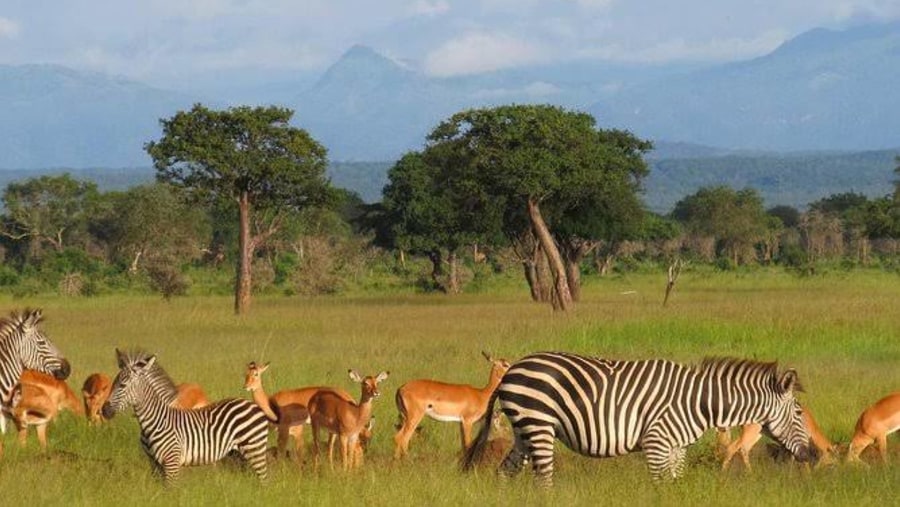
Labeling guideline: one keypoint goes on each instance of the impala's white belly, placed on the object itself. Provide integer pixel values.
(442, 417)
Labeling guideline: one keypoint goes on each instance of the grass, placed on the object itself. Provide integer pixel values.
(840, 331)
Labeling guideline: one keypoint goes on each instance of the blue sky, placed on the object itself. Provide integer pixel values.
(170, 40)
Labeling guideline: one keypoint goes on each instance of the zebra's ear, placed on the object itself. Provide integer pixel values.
(150, 361)
(120, 358)
(789, 382)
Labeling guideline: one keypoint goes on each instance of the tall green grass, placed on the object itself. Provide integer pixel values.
(841, 332)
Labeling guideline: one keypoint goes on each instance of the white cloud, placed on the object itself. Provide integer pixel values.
(481, 52)
(679, 49)
(535, 89)
(594, 4)
(429, 8)
(9, 29)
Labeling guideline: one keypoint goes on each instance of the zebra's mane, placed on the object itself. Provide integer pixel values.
(157, 377)
(17, 320)
(720, 364)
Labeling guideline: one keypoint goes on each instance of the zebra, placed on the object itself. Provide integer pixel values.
(173, 438)
(603, 408)
(23, 345)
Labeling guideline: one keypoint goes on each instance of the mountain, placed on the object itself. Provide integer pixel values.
(52, 116)
(823, 90)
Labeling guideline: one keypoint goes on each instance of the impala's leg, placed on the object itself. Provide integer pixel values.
(299, 446)
(723, 440)
(345, 453)
(749, 438)
(407, 430)
(42, 436)
(465, 430)
(283, 435)
(857, 446)
(315, 439)
(23, 435)
(882, 447)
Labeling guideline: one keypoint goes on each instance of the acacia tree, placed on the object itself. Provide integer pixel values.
(433, 209)
(531, 158)
(735, 218)
(47, 210)
(251, 156)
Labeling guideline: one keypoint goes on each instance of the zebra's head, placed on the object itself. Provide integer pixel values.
(133, 370)
(34, 349)
(786, 423)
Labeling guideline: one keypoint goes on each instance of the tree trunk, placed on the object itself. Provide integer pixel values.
(453, 286)
(243, 284)
(531, 277)
(562, 293)
(437, 269)
(575, 250)
(542, 275)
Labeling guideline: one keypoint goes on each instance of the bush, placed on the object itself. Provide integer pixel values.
(167, 279)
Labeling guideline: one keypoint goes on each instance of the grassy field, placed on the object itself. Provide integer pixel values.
(840, 331)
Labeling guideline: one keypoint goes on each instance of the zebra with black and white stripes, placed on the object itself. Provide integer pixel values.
(23, 345)
(603, 408)
(173, 437)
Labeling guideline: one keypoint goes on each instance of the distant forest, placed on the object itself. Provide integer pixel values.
(792, 179)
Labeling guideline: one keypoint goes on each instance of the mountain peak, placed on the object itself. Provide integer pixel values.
(362, 64)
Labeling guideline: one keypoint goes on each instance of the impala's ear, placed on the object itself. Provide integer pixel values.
(487, 356)
(120, 358)
(381, 376)
(264, 367)
(354, 376)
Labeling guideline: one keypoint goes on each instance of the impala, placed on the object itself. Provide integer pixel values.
(190, 396)
(751, 433)
(344, 419)
(286, 409)
(37, 400)
(874, 425)
(444, 402)
(95, 391)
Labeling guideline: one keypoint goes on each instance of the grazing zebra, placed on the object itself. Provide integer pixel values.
(604, 408)
(23, 345)
(174, 437)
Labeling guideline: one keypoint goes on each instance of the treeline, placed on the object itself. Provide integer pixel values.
(537, 191)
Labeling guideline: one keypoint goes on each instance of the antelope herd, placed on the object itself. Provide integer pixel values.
(40, 394)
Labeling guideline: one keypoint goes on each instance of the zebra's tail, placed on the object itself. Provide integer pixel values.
(475, 452)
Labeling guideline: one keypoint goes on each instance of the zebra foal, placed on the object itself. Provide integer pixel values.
(173, 437)
(603, 408)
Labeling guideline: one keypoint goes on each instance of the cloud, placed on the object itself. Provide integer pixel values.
(534, 90)
(679, 49)
(428, 8)
(481, 52)
(9, 29)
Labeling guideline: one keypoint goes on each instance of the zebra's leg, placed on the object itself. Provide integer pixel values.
(540, 452)
(664, 460)
(171, 468)
(254, 453)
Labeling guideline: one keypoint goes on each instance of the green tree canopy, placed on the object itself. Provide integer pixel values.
(251, 156)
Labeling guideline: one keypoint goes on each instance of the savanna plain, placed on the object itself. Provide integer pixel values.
(841, 331)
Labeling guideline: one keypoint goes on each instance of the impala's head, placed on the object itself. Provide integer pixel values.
(369, 384)
(95, 392)
(253, 379)
(498, 367)
(34, 350)
(786, 423)
(133, 369)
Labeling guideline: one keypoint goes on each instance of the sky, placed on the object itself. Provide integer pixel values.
(165, 42)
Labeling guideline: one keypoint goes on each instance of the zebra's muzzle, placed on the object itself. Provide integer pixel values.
(63, 371)
(805, 454)
(107, 411)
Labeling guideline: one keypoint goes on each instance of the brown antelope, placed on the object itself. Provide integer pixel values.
(95, 391)
(344, 419)
(444, 402)
(751, 433)
(190, 396)
(286, 409)
(874, 425)
(37, 400)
